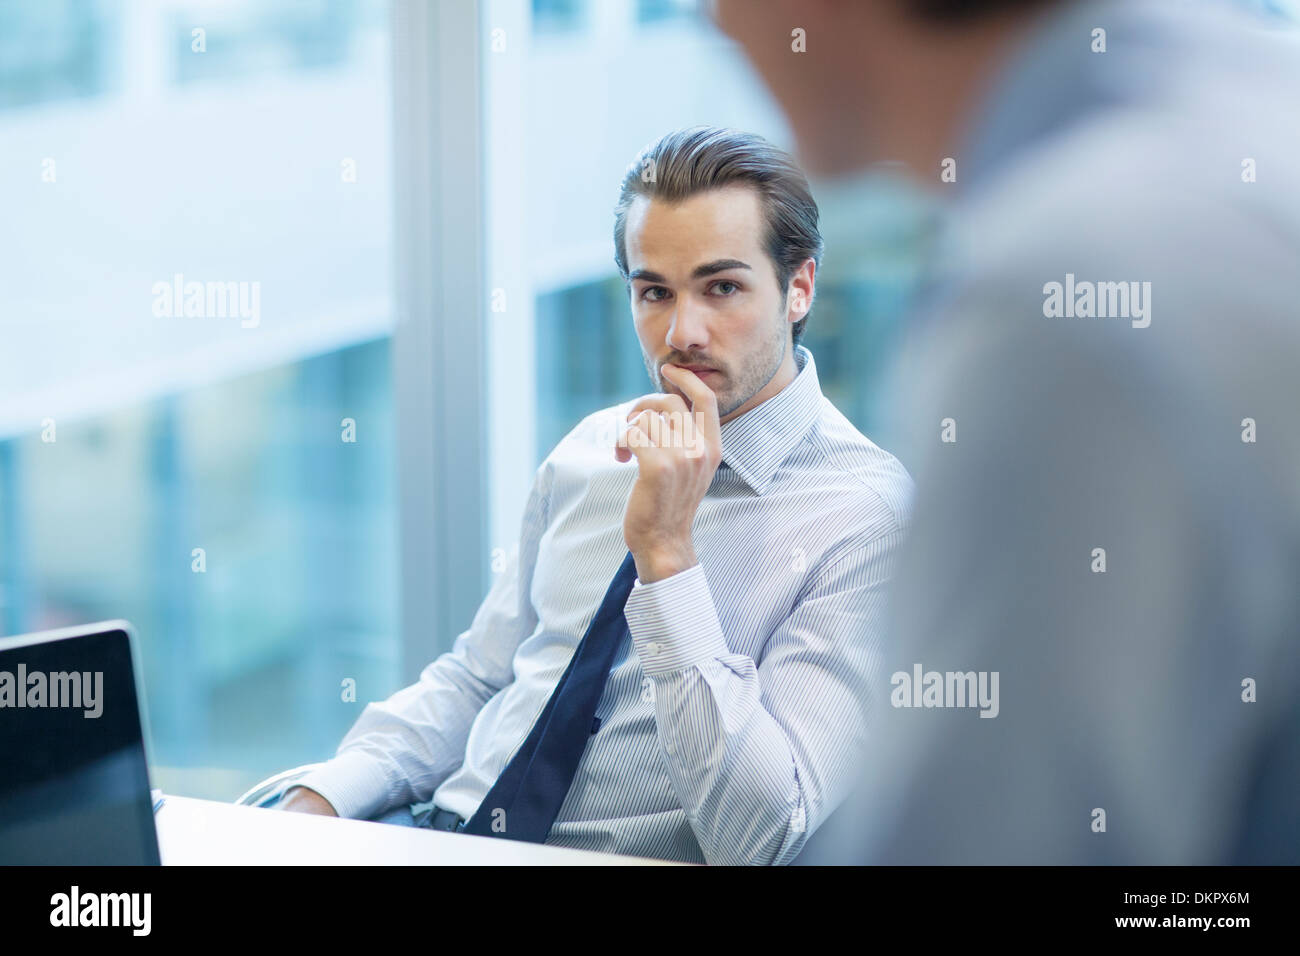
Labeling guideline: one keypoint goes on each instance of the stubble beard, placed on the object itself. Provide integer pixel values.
(759, 369)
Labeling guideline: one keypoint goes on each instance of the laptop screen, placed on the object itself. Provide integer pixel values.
(74, 784)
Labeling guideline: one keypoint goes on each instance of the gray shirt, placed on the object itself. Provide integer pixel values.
(1110, 346)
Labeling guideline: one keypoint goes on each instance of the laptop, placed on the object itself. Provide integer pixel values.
(74, 776)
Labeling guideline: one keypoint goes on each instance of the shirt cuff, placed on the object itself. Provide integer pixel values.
(355, 783)
(673, 622)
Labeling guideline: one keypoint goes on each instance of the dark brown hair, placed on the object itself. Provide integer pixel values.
(964, 11)
(691, 161)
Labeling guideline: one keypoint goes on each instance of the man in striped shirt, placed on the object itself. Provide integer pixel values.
(763, 527)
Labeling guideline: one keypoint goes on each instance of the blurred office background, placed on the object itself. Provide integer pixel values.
(238, 141)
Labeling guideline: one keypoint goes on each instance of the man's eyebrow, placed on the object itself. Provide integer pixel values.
(708, 269)
(718, 265)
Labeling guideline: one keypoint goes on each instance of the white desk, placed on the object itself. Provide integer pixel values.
(204, 833)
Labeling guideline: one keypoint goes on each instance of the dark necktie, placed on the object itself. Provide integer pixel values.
(533, 785)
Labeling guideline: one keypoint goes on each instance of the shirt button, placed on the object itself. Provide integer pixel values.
(653, 647)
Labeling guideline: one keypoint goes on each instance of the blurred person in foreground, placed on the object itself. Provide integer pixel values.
(1093, 654)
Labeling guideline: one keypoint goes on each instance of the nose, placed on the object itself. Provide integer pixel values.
(688, 331)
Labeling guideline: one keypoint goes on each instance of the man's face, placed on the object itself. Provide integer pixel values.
(704, 293)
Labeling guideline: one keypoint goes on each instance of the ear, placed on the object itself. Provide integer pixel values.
(801, 290)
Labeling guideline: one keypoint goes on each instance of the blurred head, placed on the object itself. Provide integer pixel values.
(862, 81)
(715, 232)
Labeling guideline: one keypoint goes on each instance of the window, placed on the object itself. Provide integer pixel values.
(557, 15)
(186, 461)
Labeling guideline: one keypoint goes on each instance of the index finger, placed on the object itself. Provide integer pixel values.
(701, 396)
(659, 402)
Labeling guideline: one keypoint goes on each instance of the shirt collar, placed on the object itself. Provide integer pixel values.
(755, 444)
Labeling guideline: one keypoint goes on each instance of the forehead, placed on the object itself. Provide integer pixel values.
(669, 237)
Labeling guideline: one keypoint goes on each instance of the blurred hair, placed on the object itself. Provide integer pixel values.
(962, 11)
(691, 161)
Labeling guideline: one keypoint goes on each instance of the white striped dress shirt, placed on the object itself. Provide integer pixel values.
(729, 724)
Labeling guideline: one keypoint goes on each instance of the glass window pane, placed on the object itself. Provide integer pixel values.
(195, 394)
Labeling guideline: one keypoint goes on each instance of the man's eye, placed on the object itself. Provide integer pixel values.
(725, 287)
(649, 293)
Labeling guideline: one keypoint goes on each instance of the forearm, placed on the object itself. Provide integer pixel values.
(731, 764)
(753, 782)
(400, 749)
